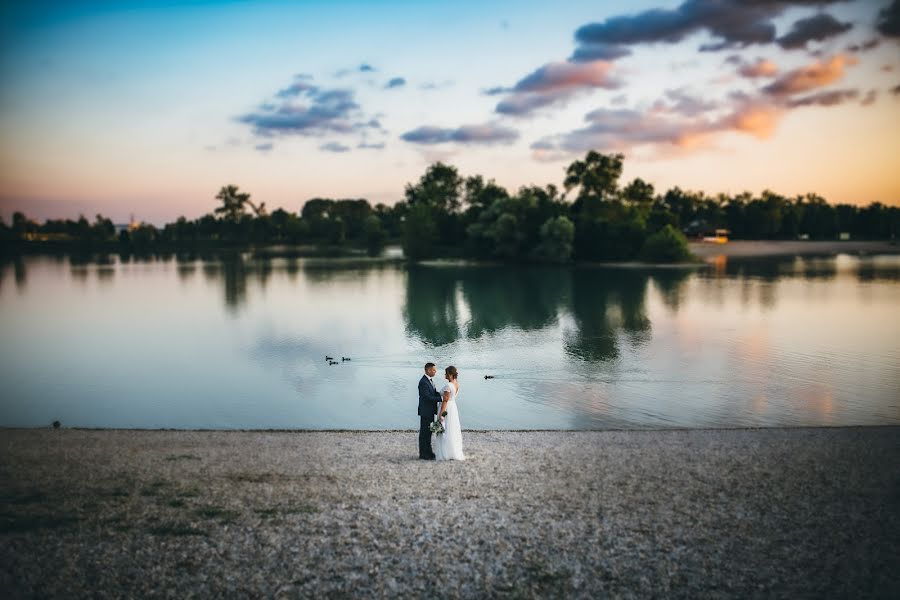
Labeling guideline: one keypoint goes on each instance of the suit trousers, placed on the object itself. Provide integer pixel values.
(425, 449)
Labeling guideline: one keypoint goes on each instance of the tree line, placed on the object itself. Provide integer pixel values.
(593, 218)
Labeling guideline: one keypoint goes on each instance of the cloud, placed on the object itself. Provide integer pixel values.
(755, 118)
(889, 20)
(366, 68)
(760, 68)
(621, 130)
(617, 130)
(865, 46)
(599, 51)
(681, 102)
(304, 109)
(295, 89)
(869, 98)
(334, 147)
(264, 148)
(432, 86)
(804, 79)
(367, 146)
(555, 83)
(732, 23)
(395, 83)
(467, 134)
(815, 28)
(896, 90)
(829, 98)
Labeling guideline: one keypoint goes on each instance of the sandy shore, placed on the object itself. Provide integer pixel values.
(744, 513)
(791, 248)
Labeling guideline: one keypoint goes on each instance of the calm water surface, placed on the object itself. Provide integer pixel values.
(241, 343)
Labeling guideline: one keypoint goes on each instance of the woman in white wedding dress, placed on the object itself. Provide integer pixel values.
(449, 444)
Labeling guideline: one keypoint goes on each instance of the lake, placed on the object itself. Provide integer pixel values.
(240, 342)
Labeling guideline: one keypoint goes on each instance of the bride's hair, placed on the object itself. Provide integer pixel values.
(451, 372)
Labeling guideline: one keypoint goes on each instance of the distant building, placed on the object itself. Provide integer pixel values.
(120, 227)
(703, 231)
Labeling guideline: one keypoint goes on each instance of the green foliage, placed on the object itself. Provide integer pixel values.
(557, 235)
(638, 191)
(666, 245)
(375, 235)
(233, 202)
(597, 175)
(439, 188)
(419, 231)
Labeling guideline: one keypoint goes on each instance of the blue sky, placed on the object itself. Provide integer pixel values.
(149, 107)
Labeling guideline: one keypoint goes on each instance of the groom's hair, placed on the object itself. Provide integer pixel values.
(428, 365)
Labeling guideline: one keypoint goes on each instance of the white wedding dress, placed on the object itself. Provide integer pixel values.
(449, 444)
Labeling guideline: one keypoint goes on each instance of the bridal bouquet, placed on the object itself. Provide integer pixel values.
(437, 427)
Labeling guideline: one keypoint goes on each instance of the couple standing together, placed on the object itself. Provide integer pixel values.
(442, 403)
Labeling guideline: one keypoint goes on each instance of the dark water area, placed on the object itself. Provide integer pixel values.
(240, 342)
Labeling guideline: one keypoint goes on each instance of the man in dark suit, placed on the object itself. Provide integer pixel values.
(429, 398)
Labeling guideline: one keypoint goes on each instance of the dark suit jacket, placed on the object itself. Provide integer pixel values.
(428, 397)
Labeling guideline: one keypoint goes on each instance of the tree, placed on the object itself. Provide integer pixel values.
(375, 235)
(557, 235)
(418, 232)
(103, 229)
(233, 202)
(479, 196)
(666, 245)
(597, 175)
(639, 192)
(439, 188)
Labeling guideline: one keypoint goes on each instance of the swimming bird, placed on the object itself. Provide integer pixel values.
(55, 424)
(328, 357)
(488, 376)
(343, 358)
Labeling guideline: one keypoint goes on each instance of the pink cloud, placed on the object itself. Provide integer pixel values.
(761, 68)
(819, 74)
(556, 83)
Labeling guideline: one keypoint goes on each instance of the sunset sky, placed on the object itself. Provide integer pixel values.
(122, 107)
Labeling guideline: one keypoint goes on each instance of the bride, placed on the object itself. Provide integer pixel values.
(449, 443)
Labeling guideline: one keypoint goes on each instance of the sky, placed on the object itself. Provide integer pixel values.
(148, 108)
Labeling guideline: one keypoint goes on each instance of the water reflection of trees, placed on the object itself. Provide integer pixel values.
(604, 302)
(526, 298)
(496, 298)
(671, 285)
(431, 313)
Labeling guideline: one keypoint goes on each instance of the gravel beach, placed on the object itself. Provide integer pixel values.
(779, 513)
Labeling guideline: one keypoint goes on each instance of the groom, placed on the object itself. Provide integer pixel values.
(428, 405)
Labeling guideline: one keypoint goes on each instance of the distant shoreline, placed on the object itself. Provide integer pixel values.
(763, 248)
(704, 252)
(684, 514)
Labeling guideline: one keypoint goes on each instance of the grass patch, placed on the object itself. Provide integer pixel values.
(32, 497)
(116, 492)
(118, 523)
(220, 514)
(300, 509)
(189, 493)
(18, 523)
(254, 477)
(174, 529)
(297, 509)
(154, 488)
(176, 503)
(174, 457)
